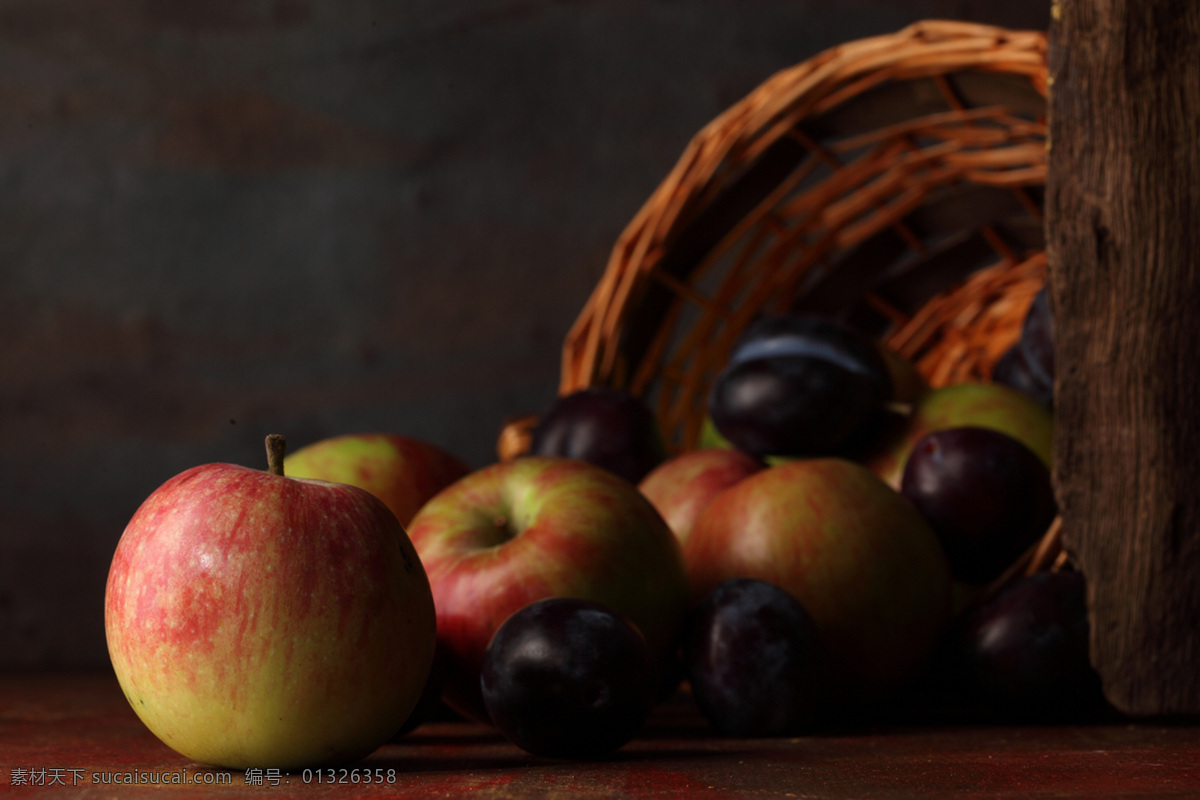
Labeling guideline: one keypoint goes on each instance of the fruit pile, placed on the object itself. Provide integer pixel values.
(832, 545)
(850, 534)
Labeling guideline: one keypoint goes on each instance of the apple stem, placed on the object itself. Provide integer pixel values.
(276, 449)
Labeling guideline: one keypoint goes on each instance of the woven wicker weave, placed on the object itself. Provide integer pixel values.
(894, 182)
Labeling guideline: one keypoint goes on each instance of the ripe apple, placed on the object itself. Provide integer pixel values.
(402, 471)
(542, 526)
(981, 405)
(853, 552)
(683, 486)
(260, 620)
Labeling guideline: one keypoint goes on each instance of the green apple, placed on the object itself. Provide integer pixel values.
(983, 405)
(402, 471)
(858, 556)
(258, 620)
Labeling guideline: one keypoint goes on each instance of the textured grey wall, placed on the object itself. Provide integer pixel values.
(227, 218)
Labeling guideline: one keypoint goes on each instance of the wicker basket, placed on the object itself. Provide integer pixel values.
(894, 182)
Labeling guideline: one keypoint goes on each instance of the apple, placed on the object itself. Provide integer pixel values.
(535, 527)
(852, 551)
(682, 487)
(258, 620)
(981, 405)
(402, 471)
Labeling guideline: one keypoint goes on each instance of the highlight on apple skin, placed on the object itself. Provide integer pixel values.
(257, 620)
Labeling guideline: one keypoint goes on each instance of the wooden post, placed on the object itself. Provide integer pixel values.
(1123, 229)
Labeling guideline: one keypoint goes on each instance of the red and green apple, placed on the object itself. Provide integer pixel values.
(852, 551)
(682, 487)
(402, 471)
(541, 526)
(258, 620)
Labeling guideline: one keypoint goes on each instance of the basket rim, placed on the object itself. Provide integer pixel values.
(922, 49)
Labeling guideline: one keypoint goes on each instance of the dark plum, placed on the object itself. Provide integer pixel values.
(793, 406)
(568, 678)
(753, 660)
(1013, 371)
(1037, 339)
(1025, 652)
(815, 337)
(986, 495)
(604, 426)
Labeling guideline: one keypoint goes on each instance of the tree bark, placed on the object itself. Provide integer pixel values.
(1123, 228)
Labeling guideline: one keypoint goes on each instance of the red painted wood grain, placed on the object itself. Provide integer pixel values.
(74, 726)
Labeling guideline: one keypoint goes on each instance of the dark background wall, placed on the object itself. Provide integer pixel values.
(235, 217)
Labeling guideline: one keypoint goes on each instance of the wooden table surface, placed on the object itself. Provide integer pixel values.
(66, 735)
